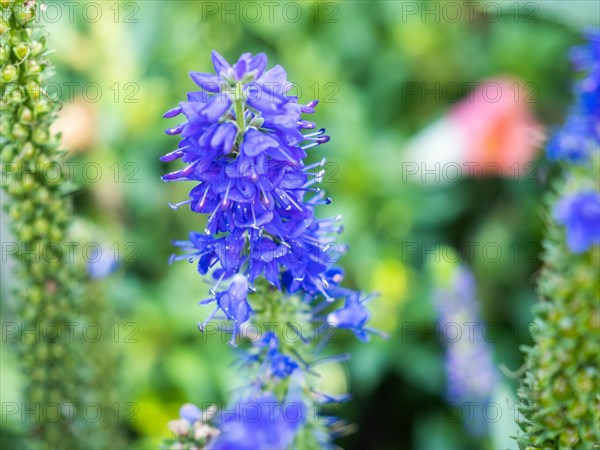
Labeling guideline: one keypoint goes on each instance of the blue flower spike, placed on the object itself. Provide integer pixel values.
(272, 261)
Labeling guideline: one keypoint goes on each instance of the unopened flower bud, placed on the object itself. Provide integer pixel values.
(3, 55)
(39, 136)
(36, 48)
(25, 15)
(33, 90)
(28, 150)
(55, 234)
(8, 152)
(33, 68)
(26, 233)
(19, 131)
(180, 427)
(16, 97)
(41, 107)
(21, 51)
(26, 115)
(28, 182)
(42, 352)
(9, 73)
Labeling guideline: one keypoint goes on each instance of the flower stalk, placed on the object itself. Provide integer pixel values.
(276, 289)
(559, 393)
(39, 207)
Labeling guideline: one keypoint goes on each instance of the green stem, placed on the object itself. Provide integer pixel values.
(239, 111)
(49, 290)
(559, 390)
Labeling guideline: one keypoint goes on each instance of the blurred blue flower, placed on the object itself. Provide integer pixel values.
(190, 412)
(586, 58)
(470, 371)
(101, 263)
(574, 141)
(261, 423)
(580, 135)
(580, 214)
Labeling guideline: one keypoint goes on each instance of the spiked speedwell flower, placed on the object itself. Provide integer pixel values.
(244, 144)
(244, 148)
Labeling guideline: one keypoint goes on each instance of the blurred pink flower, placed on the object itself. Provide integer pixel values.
(499, 125)
(492, 132)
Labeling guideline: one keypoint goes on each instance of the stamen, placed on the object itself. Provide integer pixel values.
(253, 216)
(319, 132)
(213, 290)
(203, 324)
(291, 199)
(211, 219)
(177, 205)
(225, 202)
(317, 164)
(203, 200)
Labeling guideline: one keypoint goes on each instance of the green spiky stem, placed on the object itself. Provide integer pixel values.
(560, 392)
(39, 210)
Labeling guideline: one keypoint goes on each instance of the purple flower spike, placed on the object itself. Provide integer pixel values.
(470, 368)
(244, 147)
(243, 144)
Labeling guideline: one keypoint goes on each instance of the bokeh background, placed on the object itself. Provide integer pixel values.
(381, 70)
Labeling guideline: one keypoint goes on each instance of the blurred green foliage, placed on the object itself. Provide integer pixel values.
(357, 57)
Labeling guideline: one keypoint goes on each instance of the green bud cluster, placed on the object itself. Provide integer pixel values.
(560, 391)
(38, 210)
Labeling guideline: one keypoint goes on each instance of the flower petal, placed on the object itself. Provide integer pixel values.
(207, 81)
(220, 64)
